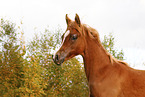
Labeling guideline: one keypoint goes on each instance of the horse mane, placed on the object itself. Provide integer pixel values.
(93, 34)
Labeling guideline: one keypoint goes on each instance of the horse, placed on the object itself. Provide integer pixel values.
(107, 76)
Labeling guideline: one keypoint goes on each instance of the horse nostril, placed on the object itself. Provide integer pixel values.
(56, 57)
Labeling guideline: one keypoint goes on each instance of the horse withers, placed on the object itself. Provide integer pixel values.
(107, 76)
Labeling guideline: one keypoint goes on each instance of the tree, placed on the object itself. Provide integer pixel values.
(108, 44)
(11, 60)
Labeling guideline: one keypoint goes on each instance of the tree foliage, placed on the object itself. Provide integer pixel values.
(28, 70)
(11, 60)
(108, 44)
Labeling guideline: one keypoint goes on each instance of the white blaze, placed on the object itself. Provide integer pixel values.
(65, 35)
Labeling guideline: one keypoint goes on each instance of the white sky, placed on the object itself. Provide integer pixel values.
(125, 18)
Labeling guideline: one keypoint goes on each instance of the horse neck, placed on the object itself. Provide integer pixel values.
(95, 58)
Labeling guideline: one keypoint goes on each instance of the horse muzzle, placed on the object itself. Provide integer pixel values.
(58, 59)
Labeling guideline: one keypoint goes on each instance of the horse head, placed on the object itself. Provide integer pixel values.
(73, 42)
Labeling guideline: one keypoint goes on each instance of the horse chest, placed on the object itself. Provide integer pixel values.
(104, 88)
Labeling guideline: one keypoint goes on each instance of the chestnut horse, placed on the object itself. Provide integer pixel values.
(107, 77)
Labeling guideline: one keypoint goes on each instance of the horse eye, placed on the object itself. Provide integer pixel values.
(74, 36)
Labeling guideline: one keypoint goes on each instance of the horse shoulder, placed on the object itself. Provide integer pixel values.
(109, 83)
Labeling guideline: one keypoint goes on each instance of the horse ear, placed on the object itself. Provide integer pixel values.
(68, 20)
(77, 20)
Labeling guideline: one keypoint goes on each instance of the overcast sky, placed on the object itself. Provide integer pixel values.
(124, 18)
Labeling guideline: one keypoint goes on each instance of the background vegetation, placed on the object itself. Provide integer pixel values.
(28, 70)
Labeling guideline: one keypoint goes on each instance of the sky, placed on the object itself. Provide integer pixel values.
(124, 18)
